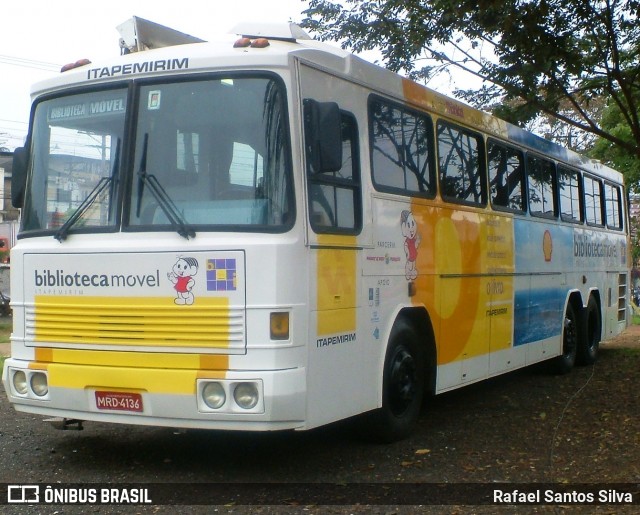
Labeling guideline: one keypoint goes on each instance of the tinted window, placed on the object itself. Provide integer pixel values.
(506, 176)
(334, 197)
(461, 173)
(613, 206)
(541, 183)
(569, 186)
(593, 200)
(401, 149)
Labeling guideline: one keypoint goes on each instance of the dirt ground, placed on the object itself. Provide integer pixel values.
(629, 339)
(526, 427)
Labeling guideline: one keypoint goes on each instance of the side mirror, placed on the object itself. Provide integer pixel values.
(323, 136)
(19, 176)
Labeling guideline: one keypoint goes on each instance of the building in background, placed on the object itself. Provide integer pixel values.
(8, 214)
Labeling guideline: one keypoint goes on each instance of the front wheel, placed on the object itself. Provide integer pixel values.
(402, 387)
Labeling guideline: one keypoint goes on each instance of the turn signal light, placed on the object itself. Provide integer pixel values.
(279, 326)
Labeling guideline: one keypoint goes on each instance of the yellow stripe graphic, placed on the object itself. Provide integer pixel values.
(336, 296)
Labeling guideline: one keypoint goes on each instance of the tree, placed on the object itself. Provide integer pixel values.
(555, 57)
(612, 121)
(551, 128)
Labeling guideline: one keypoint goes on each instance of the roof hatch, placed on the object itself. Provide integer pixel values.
(277, 31)
(138, 34)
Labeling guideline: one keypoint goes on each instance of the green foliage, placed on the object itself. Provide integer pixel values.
(5, 332)
(613, 155)
(533, 56)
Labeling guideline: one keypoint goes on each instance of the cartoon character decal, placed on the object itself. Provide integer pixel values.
(182, 278)
(409, 229)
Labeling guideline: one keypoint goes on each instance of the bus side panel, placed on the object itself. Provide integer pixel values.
(542, 253)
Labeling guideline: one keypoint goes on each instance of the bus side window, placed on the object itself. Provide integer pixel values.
(335, 197)
(462, 174)
(542, 185)
(593, 201)
(506, 177)
(613, 206)
(402, 156)
(570, 190)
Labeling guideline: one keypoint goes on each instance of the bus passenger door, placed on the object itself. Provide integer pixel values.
(338, 354)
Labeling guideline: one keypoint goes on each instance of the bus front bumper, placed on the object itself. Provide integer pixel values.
(229, 400)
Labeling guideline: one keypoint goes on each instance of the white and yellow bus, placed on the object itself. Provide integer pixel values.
(271, 233)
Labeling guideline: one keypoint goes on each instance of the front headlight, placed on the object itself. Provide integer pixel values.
(20, 382)
(246, 395)
(39, 384)
(213, 395)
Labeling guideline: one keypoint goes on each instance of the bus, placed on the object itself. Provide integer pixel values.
(269, 233)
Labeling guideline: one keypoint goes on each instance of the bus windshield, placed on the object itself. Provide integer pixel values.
(207, 154)
(75, 161)
(210, 153)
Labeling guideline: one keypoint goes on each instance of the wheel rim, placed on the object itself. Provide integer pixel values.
(402, 381)
(570, 336)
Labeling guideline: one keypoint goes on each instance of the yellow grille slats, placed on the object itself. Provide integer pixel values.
(140, 334)
(196, 317)
(139, 321)
(134, 322)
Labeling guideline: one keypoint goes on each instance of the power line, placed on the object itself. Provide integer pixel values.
(29, 63)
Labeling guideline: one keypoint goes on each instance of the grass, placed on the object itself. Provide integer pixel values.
(5, 333)
(633, 352)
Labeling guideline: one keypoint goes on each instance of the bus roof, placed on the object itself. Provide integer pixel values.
(287, 41)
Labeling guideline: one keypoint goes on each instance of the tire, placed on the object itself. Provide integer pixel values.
(402, 388)
(589, 343)
(570, 337)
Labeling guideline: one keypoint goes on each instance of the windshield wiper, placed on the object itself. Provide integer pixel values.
(103, 183)
(61, 233)
(164, 200)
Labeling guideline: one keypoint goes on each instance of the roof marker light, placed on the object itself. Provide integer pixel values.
(242, 43)
(260, 43)
(77, 64)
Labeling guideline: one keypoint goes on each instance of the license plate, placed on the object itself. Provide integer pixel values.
(119, 401)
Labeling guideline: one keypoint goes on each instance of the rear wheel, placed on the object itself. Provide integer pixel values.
(402, 388)
(564, 363)
(590, 339)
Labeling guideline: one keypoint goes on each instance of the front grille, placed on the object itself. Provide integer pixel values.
(90, 322)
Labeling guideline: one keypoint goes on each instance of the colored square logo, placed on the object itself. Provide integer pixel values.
(221, 275)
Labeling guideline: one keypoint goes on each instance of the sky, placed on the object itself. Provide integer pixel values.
(37, 37)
